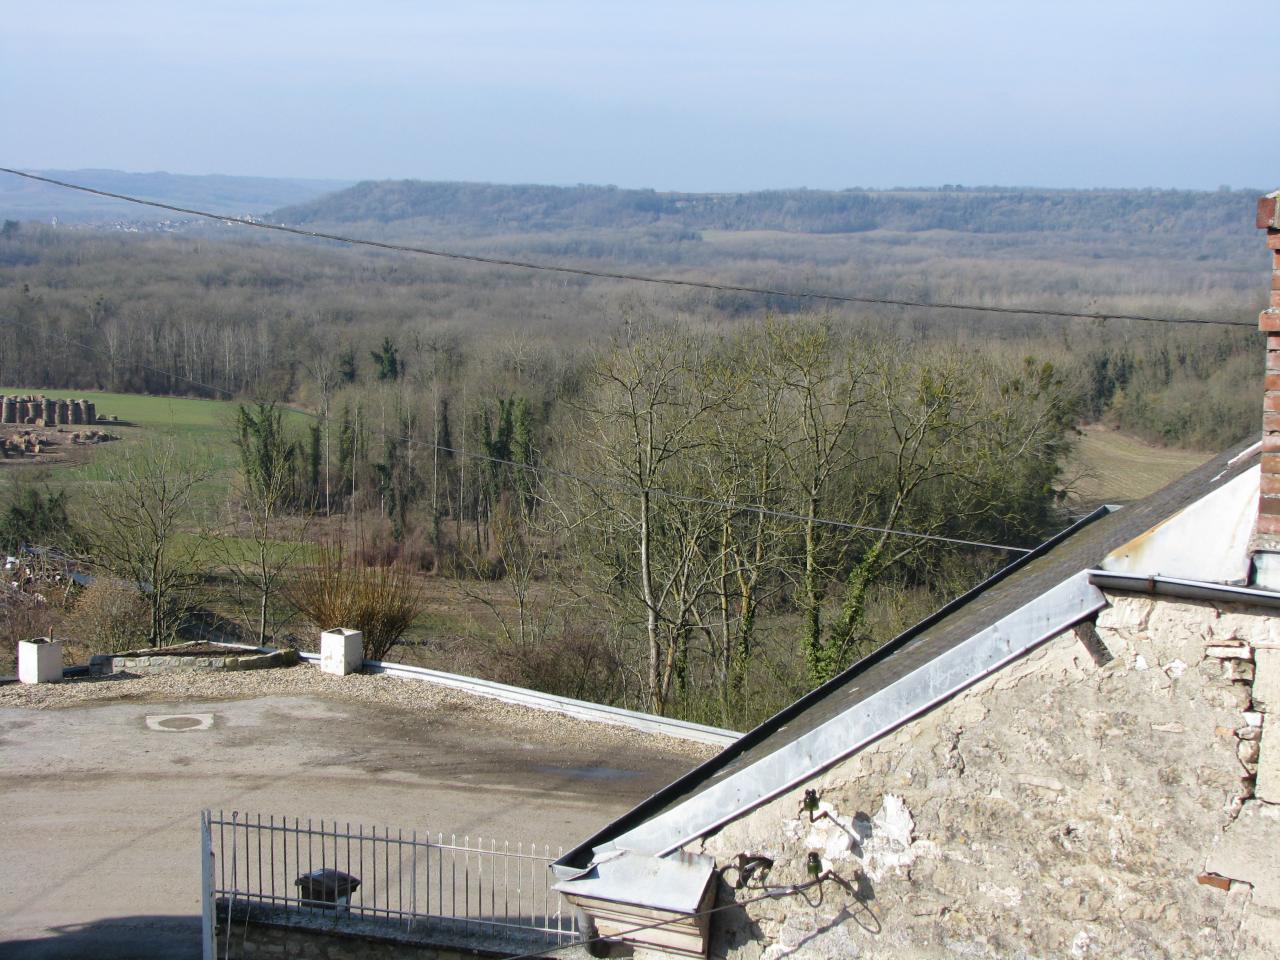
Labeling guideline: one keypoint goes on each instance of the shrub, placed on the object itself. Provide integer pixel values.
(339, 591)
(109, 616)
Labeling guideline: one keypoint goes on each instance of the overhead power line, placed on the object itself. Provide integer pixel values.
(630, 277)
(568, 475)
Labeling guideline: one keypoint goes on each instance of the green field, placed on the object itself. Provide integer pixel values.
(200, 430)
(1113, 467)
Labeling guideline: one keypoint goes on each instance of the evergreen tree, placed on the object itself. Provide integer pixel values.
(313, 463)
(267, 455)
(34, 518)
(446, 434)
(522, 448)
(387, 361)
(347, 365)
(346, 444)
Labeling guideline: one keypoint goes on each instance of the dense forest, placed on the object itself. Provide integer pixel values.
(635, 481)
(978, 210)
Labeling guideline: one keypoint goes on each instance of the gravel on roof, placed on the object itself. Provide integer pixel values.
(305, 680)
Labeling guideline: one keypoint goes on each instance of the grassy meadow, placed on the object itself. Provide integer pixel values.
(200, 430)
(1115, 467)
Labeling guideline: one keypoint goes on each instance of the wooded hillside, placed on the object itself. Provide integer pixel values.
(486, 206)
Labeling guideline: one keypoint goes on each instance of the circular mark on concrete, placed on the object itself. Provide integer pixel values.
(180, 722)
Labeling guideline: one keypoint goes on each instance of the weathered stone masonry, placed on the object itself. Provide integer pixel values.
(1060, 808)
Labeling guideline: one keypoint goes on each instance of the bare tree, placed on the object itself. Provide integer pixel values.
(822, 392)
(260, 558)
(140, 527)
(641, 420)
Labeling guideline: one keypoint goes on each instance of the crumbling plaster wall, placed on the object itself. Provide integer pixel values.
(1060, 808)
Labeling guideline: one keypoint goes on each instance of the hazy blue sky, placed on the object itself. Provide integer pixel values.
(686, 95)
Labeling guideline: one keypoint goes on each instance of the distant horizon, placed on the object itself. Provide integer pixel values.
(941, 187)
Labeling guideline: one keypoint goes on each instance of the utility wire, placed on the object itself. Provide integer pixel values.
(774, 893)
(568, 475)
(631, 277)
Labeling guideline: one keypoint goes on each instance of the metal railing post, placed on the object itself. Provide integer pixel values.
(208, 946)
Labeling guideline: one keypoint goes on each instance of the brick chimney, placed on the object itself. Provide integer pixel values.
(1266, 543)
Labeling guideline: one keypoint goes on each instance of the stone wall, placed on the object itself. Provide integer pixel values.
(256, 941)
(265, 933)
(1068, 806)
(141, 664)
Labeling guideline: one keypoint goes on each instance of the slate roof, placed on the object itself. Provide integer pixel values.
(1080, 547)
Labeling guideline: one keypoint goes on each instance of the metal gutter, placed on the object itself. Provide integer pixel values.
(583, 710)
(1185, 589)
(983, 654)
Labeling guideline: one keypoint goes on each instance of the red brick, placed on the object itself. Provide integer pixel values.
(1270, 463)
(1271, 442)
(1267, 213)
(1270, 423)
(1275, 299)
(1271, 403)
(1268, 526)
(1275, 279)
(1213, 880)
(1269, 320)
(1268, 506)
(1270, 485)
(1273, 381)
(1273, 239)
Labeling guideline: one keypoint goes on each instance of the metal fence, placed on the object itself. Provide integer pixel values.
(474, 885)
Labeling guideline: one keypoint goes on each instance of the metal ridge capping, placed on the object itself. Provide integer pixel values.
(582, 709)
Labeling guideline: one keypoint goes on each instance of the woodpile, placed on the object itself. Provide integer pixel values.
(27, 442)
(32, 443)
(47, 412)
(91, 436)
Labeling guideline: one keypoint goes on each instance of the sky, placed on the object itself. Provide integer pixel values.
(697, 96)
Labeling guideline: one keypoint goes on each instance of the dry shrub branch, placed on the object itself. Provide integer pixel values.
(338, 591)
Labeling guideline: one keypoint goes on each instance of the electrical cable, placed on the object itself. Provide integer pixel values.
(630, 277)
(568, 475)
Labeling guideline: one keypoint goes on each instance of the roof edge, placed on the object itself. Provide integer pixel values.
(580, 856)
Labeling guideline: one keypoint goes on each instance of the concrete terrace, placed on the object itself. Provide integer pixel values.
(101, 794)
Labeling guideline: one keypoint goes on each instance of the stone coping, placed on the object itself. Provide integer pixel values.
(238, 657)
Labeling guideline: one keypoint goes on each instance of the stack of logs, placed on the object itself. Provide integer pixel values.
(25, 442)
(29, 442)
(44, 412)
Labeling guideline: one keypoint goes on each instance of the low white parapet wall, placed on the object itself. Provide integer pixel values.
(582, 709)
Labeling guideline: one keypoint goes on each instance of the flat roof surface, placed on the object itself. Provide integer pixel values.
(100, 817)
(1077, 549)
